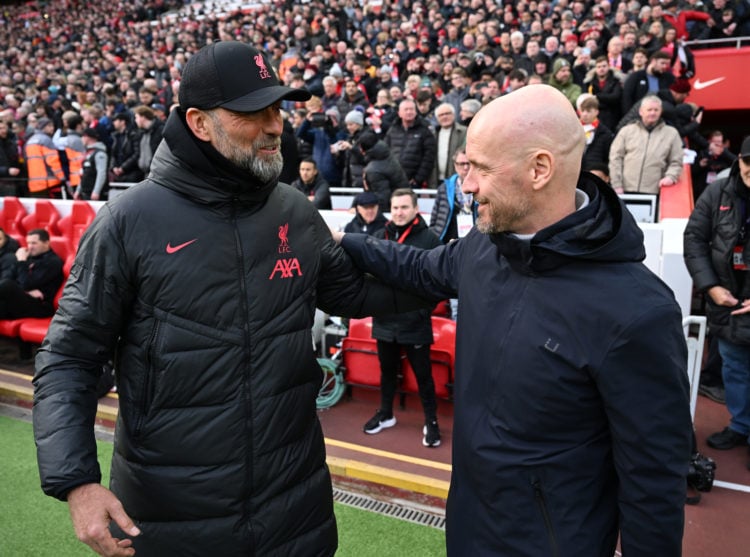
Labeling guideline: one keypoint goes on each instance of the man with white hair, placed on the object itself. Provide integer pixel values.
(646, 155)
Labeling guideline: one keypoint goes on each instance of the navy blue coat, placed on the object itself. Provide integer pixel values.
(572, 419)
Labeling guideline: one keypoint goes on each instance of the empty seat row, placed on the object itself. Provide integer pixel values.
(65, 232)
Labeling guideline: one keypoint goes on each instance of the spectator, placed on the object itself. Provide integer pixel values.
(313, 185)
(683, 116)
(352, 98)
(352, 159)
(451, 202)
(36, 278)
(598, 136)
(369, 219)
(615, 58)
(646, 155)
(321, 130)
(544, 418)
(46, 176)
(125, 154)
(651, 80)
(450, 137)
(459, 92)
(151, 131)
(716, 254)
(469, 108)
(562, 80)
(412, 144)
(94, 183)
(223, 315)
(8, 248)
(603, 82)
(383, 174)
(10, 165)
(710, 162)
(410, 332)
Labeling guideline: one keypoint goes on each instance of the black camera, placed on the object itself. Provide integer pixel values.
(701, 472)
(318, 120)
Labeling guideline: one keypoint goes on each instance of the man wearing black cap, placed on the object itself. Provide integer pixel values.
(717, 255)
(369, 219)
(203, 281)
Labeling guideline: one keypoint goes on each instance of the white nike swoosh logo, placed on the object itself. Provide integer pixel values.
(698, 85)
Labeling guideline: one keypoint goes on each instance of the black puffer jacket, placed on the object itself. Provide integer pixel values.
(383, 174)
(711, 234)
(415, 149)
(8, 261)
(204, 284)
(414, 327)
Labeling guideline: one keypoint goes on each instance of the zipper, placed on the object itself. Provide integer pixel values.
(148, 383)
(246, 380)
(542, 504)
(643, 162)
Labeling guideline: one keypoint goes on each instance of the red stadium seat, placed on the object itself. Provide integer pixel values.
(75, 224)
(34, 329)
(11, 219)
(360, 361)
(45, 216)
(9, 327)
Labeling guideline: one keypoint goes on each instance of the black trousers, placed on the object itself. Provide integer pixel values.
(15, 303)
(389, 354)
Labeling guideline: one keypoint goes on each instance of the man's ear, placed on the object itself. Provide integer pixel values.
(541, 170)
(199, 123)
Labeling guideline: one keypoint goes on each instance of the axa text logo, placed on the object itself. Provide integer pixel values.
(286, 268)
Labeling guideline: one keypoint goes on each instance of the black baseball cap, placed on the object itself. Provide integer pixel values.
(745, 149)
(235, 76)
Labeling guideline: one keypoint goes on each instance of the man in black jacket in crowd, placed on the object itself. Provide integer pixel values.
(123, 160)
(368, 219)
(411, 332)
(413, 145)
(37, 276)
(8, 248)
(717, 254)
(202, 282)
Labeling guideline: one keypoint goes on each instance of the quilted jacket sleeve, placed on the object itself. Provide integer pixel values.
(81, 338)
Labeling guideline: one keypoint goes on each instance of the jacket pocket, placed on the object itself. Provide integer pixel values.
(541, 502)
(149, 381)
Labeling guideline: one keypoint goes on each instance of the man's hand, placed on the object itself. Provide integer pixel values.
(337, 235)
(36, 294)
(666, 182)
(92, 507)
(95, 197)
(722, 297)
(22, 254)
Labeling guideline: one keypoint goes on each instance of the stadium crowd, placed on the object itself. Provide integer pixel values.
(376, 70)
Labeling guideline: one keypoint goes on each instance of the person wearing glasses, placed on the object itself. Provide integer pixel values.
(451, 203)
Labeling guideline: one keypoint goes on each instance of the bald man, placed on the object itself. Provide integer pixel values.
(572, 422)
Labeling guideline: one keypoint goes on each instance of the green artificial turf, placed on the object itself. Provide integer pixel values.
(34, 525)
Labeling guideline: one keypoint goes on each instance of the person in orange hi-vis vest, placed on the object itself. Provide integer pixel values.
(46, 176)
(68, 140)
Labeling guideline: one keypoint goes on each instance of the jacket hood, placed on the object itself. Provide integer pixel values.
(379, 151)
(603, 231)
(196, 169)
